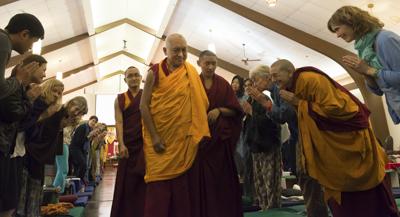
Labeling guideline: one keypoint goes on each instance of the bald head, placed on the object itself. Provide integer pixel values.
(176, 50)
(281, 72)
(175, 38)
(284, 65)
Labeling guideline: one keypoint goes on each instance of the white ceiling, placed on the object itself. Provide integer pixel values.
(229, 31)
(65, 19)
(312, 16)
(62, 19)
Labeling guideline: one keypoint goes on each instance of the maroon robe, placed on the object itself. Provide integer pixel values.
(354, 204)
(130, 188)
(175, 197)
(219, 188)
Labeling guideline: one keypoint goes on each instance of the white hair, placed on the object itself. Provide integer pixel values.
(259, 71)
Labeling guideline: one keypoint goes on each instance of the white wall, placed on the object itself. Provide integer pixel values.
(394, 130)
(105, 108)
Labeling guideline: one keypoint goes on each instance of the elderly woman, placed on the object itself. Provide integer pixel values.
(263, 137)
(282, 112)
(378, 53)
(42, 144)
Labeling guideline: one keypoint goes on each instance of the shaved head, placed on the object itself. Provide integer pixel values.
(176, 50)
(282, 72)
(285, 65)
(173, 39)
(208, 63)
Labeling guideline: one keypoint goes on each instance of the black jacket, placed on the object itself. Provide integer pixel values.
(261, 133)
(13, 109)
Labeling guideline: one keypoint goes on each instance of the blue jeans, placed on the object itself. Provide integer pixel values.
(62, 169)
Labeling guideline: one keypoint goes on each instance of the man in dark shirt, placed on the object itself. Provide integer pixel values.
(19, 35)
(79, 148)
(14, 108)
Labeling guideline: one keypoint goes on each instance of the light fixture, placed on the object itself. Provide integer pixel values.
(37, 47)
(59, 76)
(370, 7)
(271, 3)
(124, 47)
(211, 47)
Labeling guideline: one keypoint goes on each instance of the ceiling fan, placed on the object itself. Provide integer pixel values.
(245, 59)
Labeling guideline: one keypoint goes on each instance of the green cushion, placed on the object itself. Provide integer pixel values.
(293, 211)
(75, 212)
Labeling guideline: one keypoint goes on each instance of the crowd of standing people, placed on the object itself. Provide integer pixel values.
(188, 140)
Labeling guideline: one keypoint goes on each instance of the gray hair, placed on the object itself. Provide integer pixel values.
(260, 71)
(79, 101)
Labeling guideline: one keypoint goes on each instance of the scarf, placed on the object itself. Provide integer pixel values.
(365, 48)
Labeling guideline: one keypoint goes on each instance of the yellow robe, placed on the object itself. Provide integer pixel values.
(179, 110)
(340, 161)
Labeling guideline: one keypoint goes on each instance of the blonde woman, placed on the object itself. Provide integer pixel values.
(39, 151)
(42, 148)
(52, 95)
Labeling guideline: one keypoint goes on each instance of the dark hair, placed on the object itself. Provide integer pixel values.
(206, 53)
(31, 58)
(246, 80)
(94, 117)
(25, 21)
(240, 92)
(130, 67)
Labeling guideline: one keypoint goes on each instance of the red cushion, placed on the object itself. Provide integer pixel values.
(68, 198)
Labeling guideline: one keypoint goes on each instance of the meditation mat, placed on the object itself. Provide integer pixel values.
(89, 189)
(92, 183)
(74, 212)
(68, 198)
(289, 203)
(398, 202)
(396, 192)
(294, 211)
(81, 201)
(250, 208)
(84, 194)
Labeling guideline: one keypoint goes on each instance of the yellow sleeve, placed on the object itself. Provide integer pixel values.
(326, 100)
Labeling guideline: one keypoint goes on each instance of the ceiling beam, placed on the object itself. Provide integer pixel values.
(93, 82)
(350, 86)
(224, 64)
(79, 87)
(73, 71)
(374, 102)
(49, 48)
(128, 21)
(119, 72)
(102, 60)
(6, 2)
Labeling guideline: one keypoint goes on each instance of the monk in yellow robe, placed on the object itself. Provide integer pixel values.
(174, 111)
(337, 145)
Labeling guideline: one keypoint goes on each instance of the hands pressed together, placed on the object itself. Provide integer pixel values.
(359, 66)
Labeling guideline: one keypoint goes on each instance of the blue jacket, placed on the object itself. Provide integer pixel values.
(282, 112)
(387, 46)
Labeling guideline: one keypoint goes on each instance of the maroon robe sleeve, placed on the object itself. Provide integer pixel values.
(221, 95)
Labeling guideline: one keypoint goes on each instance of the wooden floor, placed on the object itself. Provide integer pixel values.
(100, 204)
